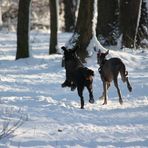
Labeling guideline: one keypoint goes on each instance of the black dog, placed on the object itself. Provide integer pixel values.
(77, 76)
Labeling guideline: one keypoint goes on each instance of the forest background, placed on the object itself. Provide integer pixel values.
(121, 23)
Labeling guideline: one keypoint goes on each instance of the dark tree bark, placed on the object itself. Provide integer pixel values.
(83, 32)
(143, 26)
(107, 21)
(70, 7)
(1, 22)
(129, 21)
(23, 28)
(53, 26)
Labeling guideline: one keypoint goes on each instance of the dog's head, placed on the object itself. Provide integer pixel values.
(101, 56)
(69, 54)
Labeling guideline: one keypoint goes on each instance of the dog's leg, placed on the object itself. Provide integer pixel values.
(80, 93)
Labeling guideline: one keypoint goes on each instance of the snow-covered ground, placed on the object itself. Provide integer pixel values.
(49, 116)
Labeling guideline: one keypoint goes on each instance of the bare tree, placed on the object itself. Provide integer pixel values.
(70, 7)
(53, 26)
(143, 26)
(129, 21)
(23, 28)
(107, 21)
(1, 22)
(83, 31)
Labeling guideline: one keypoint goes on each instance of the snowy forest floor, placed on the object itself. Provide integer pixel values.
(46, 115)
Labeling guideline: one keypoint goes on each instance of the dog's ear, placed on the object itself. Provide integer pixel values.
(99, 53)
(107, 52)
(64, 48)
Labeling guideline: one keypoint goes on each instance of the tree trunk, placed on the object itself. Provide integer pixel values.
(23, 28)
(69, 14)
(107, 21)
(1, 22)
(129, 21)
(53, 26)
(83, 32)
(143, 26)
